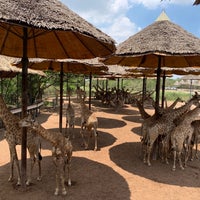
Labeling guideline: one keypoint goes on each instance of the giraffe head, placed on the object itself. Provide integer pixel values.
(195, 99)
(26, 122)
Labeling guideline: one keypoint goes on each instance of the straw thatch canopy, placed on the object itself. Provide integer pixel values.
(166, 70)
(7, 70)
(54, 31)
(197, 2)
(164, 40)
(80, 66)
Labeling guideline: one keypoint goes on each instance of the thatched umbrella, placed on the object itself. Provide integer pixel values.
(161, 44)
(46, 29)
(197, 2)
(7, 70)
(75, 66)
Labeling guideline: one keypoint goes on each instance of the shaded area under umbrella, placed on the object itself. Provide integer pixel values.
(80, 66)
(46, 29)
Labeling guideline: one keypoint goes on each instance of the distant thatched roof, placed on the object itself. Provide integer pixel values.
(197, 2)
(167, 70)
(54, 31)
(176, 46)
(76, 66)
(7, 70)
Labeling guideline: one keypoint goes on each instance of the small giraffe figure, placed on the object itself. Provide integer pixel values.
(89, 121)
(61, 151)
(14, 136)
(70, 118)
(181, 136)
(163, 125)
(195, 139)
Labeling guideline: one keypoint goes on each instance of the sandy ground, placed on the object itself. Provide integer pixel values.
(114, 172)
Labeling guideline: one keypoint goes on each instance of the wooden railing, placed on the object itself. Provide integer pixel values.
(35, 107)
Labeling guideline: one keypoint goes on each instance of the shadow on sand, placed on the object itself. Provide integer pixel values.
(90, 180)
(128, 156)
(104, 139)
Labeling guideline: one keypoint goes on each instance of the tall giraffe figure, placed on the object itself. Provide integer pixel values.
(89, 121)
(14, 137)
(70, 119)
(153, 126)
(195, 139)
(61, 151)
(182, 134)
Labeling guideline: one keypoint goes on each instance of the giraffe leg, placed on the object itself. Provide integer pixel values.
(62, 178)
(89, 136)
(95, 137)
(14, 159)
(174, 148)
(179, 159)
(39, 178)
(10, 179)
(57, 184)
(82, 135)
(196, 149)
(29, 180)
(149, 148)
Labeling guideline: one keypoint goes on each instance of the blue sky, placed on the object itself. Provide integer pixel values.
(123, 18)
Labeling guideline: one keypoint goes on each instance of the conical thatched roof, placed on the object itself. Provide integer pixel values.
(54, 31)
(176, 46)
(197, 2)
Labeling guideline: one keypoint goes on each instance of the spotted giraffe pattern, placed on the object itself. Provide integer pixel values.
(181, 136)
(61, 151)
(89, 121)
(153, 126)
(13, 137)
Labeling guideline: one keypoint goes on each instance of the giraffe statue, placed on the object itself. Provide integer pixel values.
(13, 137)
(181, 136)
(70, 118)
(163, 125)
(195, 138)
(61, 151)
(89, 121)
(151, 119)
(141, 109)
(145, 115)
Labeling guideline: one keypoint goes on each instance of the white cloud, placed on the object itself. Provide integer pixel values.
(110, 16)
(121, 29)
(153, 4)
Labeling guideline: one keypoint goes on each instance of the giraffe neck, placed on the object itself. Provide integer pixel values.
(192, 115)
(52, 137)
(174, 103)
(175, 113)
(5, 114)
(143, 113)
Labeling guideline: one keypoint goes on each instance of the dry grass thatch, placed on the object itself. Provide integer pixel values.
(176, 46)
(81, 66)
(197, 2)
(54, 31)
(166, 70)
(7, 70)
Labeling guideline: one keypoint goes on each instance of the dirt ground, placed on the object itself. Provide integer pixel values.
(114, 172)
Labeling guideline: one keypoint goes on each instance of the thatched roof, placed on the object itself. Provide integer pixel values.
(7, 70)
(76, 66)
(54, 31)
(176, 46)
(197, 2)
(166, 70)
